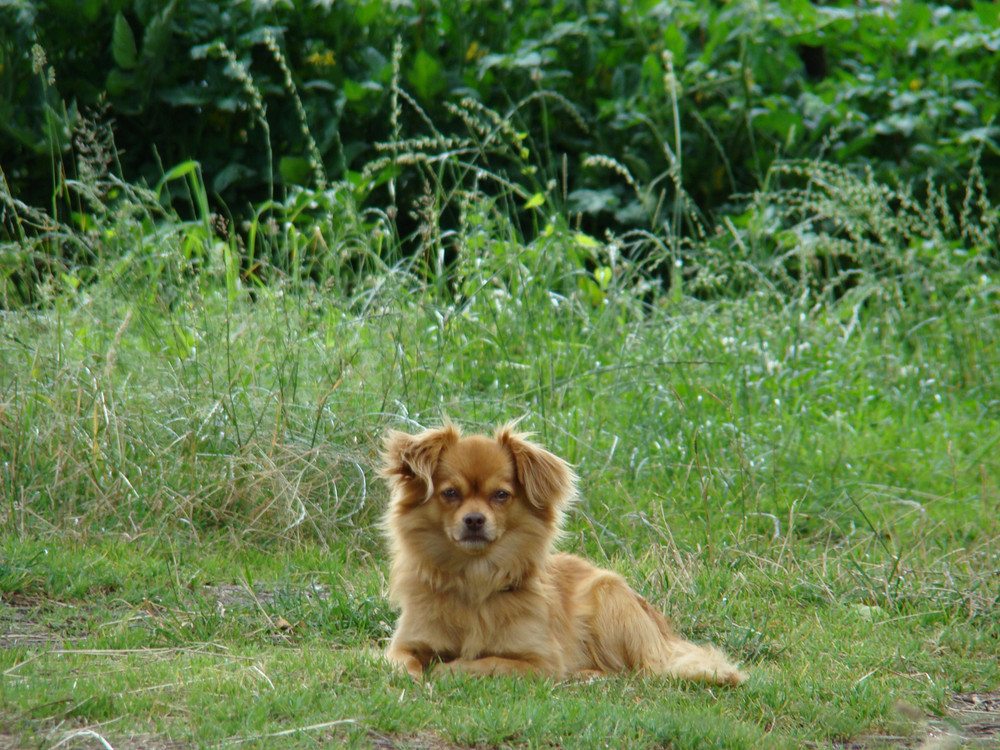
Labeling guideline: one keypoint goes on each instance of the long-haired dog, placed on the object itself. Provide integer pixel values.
(471, 523)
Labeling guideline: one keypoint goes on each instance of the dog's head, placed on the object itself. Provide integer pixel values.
(475, 490)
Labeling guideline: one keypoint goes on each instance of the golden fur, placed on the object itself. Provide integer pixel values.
(471, 524)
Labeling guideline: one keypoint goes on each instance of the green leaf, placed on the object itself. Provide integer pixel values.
(123, 44)
(192, 171)
(353, 90)
(118, 82)
(593, 201)
(603, 276)
(183, 169)
(367, 13)
(591, 291)
(674, 40)
(154, 42)
(295, 170)
(425, 75)
(535, 201)
(186, 96)
(91, 9)
(231, 174)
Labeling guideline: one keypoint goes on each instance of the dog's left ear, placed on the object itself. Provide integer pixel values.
(548, 481)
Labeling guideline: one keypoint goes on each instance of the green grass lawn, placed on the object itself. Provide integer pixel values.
(807, 476)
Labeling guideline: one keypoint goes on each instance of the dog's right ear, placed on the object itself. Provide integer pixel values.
(409, 461)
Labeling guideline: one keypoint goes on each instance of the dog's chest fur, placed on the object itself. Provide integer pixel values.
(499, 623)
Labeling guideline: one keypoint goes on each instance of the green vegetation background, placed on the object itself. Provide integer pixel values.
(737, 261)
(266, 96)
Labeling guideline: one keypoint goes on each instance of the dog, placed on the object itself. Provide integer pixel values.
(471, 523)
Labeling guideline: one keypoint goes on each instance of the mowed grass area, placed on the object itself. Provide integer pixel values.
(805, 475)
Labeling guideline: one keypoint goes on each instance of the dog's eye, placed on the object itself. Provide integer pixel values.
(501, 496)
(450, 494)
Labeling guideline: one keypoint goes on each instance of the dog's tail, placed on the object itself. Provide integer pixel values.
(633, 635)
(677, 657)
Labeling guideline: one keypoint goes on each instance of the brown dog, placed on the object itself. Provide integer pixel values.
(471, 524)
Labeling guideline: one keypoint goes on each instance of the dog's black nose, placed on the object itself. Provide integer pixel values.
(474, 521)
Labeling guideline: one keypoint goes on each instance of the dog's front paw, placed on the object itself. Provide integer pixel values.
(405, 661)
(448, 667)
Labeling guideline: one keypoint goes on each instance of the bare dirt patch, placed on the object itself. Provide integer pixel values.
(422, 741)
(978, 717)
(22, 624)
(239, 596)
(972, 720)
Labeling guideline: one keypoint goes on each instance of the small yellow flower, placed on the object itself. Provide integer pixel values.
(915, 84)
(325, 59)
(474, 52)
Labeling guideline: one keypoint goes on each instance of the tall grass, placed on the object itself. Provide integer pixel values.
(168, 394)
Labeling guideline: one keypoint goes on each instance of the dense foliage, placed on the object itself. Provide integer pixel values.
(620, 113)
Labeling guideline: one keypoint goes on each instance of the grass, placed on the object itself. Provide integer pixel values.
(793, 453)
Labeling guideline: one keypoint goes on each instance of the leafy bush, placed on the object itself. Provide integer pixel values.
(639, 115)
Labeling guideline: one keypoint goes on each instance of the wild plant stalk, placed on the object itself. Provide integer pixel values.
(241, 73)
(672, 87)
(315, 159)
